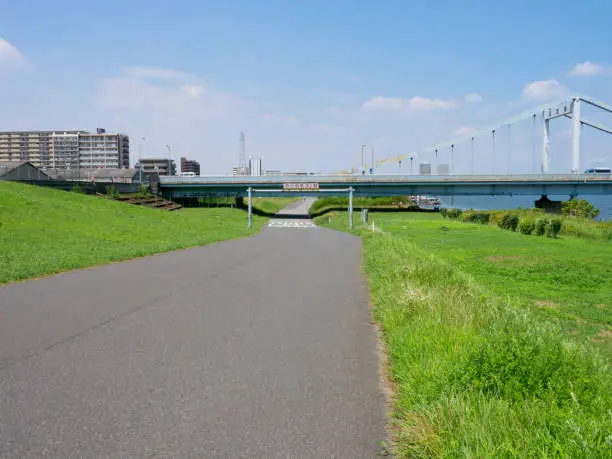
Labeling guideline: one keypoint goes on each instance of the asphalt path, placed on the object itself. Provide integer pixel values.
(257, 347)
(298, 208)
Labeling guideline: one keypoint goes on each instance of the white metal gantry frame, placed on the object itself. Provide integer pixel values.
(569, 107)
(571, 110)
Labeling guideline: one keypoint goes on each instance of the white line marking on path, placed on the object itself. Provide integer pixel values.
(291, 224)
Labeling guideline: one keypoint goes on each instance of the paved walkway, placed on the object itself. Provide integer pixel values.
(258, 347)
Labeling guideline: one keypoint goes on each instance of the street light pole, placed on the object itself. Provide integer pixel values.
(362, 158)
(140, 158)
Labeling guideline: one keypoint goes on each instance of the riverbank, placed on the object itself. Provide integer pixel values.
(45, 231)
(498, 342)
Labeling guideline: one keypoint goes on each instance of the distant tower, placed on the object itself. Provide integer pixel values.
(242, 158)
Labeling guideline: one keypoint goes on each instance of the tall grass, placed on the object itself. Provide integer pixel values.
(325, 204)
(477, 376)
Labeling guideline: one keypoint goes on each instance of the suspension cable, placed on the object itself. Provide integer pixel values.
(472, 155)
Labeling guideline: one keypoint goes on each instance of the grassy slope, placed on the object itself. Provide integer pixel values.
(44, 231)
(272, 205)
(567, 278)
(322, 205)
(481, 368)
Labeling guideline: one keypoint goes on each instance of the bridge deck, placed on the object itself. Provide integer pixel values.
(392, 185)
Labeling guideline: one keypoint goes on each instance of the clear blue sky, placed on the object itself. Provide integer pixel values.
(307, 81)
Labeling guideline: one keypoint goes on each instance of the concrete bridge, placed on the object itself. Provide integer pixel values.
(570, 185)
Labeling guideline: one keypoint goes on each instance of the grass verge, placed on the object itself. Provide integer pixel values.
(44, 231)
(327, 204)
(272, 205)
(479, 370)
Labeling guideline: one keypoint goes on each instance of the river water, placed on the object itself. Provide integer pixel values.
(603, 203)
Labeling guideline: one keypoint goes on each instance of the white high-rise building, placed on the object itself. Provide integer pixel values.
(255, 167)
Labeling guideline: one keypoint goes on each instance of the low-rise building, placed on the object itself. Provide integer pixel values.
(160, 166)
(20, 170)
(188, 165)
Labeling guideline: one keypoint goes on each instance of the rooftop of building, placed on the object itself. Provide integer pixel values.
(59, 131)
(61, 174)
(7, 166)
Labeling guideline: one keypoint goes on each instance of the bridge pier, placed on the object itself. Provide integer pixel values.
(550, 207)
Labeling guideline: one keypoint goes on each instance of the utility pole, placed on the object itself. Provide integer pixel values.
(142, 139)
(362, 158)
(242, 155)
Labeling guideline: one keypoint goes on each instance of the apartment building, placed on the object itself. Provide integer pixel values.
(103, 150)
(66, 149)
(160, 166)
(190, 166)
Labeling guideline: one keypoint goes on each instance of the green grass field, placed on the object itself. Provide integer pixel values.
(498, 343)
(326, 204)
(272, 205)
(44, 231)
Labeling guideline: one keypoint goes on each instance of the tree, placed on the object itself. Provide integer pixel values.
(579, 208)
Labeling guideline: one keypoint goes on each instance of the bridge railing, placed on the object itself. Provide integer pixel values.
(390, 178)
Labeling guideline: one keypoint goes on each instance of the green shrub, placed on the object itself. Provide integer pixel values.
(443, 211)
(482, 217)
(111, 191)
(541, 225)
(579, 208)
(143, 191)
(496, 216)
(454, 213)
(509, 221)
(554, 227)
(76, 188)
(526, 226)
(468, 216)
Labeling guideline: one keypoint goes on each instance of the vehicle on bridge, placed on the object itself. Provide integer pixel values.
(599, 170)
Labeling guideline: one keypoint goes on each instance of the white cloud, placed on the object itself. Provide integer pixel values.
(473, 97)
(193, 90)
(281, 120)
(544, 90)
(155, 73)
(329, 129)
(589, 69)
(464, 130)
(411, 105)
(10, 57)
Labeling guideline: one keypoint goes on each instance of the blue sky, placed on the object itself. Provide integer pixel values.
(309, 82)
